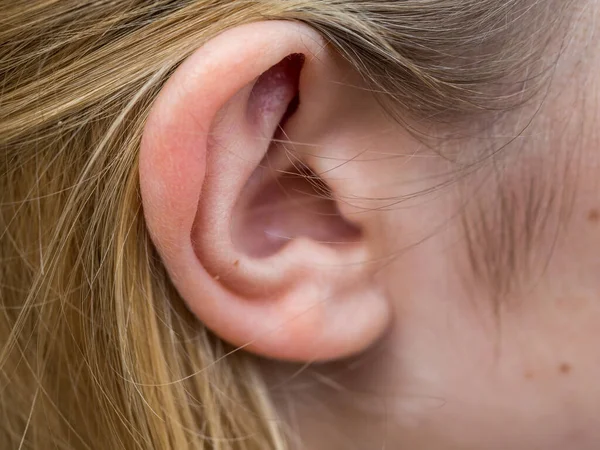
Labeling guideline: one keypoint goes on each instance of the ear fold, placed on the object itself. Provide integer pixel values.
(252, 237)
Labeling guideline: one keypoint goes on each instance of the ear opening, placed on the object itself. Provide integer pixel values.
(280, 205)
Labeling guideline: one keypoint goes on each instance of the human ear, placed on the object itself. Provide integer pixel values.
(252, 233)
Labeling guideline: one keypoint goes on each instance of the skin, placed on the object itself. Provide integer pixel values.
(451, 372)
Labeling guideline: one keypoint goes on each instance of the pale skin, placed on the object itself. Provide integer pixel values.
(404, 344)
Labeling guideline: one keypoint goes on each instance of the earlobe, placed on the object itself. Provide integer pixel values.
(250, 234)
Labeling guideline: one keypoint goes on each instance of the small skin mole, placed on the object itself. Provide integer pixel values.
(565, 368)
(529, 375)
(594, 216)
(236, 263)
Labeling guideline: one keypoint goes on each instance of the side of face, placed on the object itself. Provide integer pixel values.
(402, 297)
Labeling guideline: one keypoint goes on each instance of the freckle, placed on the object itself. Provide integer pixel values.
(564, 368)
(236, 263)
(594, 216)
(529, 375)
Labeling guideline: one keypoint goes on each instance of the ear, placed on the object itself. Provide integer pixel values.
(256, 242)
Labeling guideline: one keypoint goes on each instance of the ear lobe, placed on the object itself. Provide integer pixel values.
(250, 235)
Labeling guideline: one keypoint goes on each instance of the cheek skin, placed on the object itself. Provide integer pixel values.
(528, 381)
(529, 378)
(524, 379)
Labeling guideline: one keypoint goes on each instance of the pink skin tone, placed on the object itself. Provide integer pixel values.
(406, 348)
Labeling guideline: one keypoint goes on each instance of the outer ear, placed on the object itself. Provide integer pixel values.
(252, 238)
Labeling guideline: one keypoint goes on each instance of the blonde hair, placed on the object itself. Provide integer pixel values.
(96, 347)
